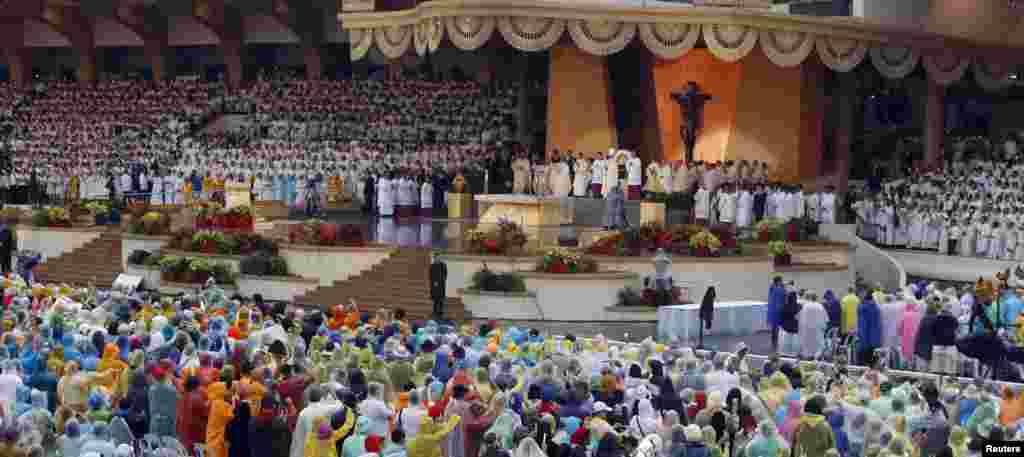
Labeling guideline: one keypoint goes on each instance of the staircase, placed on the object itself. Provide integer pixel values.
(98, 261)
(400, 281)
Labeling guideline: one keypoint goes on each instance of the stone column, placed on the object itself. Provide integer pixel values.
(844, 104)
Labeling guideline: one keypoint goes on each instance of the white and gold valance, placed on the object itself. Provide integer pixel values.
(669, 40)
(668, 33)
(469, 33)
(601, 37)
(527, 33)
(786, 48)
(894, 62)
(729, 42)
(841, 54)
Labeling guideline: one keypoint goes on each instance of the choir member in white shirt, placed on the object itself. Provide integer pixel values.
(727, 205)
(427, 200)
(744, 208)
(827, 205)
(701, 205)
(598, 168)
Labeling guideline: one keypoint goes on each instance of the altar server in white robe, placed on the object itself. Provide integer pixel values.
(701, 205)
(915, 223)
(156, 198)
(812, 202)
(744, 208)
(887, 224)
(799, 205)
(727, 205)
(386, 197)
(996, 241)
(1010, 241)
(427, 200)
(598, 169)
(771, 203)
(634, 181)
(581, 177)
(969, 238)
(1018, 252)
(984, 237)
(827, 205)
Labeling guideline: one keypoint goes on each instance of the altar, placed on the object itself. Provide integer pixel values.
(525, 210)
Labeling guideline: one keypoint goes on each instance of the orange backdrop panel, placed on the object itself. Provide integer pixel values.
(580, 112)
(714, 77)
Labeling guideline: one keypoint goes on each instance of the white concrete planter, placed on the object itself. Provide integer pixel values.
(52, 242)
(331, 263)
(276, 288)
(501, 305)
(150, 275)
(131, 243)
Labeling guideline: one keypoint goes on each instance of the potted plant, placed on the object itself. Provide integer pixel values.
(199, 270)
(278, 266)
(59, 217)
(207, 242)
(243, 217)
(154, 223)
(100, 212)
(226, 244)
(768, 230)
(41, 218)
(704, 244)
(170, 268)
(781, 253)
(222, 273)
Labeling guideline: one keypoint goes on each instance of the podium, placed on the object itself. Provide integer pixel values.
(525, 210)
(460, 206)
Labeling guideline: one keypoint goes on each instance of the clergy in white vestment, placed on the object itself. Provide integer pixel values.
(559, 179)
(385, 197)
(1010, 241)
(701, 205)
(827, 206)
(598, 168)
(427, 199)
(969, 238)
(634, 180)
(799, 205)
(984, 237)
(156, 197)
(996, 241)
(727, 205)
(652, 184)
(581, 177)
(681, 178)
(403, 197)
(744, 208)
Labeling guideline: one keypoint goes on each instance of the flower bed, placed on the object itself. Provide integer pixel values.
(51, 217)
(215, 242)
(563, 261)
(802, 229)
(152, 223)
(213, 216)
(649, 297)
(507, 238)
(320, 233)
(193, 270)
(489, 281)
(676, 239)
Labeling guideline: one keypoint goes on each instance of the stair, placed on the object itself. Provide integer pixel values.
(400, 281)
(97, 262)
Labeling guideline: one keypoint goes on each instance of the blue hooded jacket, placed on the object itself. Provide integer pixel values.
(869, 325)
(776, 301)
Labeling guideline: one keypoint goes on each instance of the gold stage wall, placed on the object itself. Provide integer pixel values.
(580, 113)
(760, 111)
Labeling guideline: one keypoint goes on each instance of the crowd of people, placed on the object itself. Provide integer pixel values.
(68, 130)
(973, 208)
(91, 372)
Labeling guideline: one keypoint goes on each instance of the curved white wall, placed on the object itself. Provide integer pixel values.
(873, 264)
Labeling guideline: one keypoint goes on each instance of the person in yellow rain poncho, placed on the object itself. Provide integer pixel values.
(323, 443)
(427, 442)
(111, 361)
(222, 410)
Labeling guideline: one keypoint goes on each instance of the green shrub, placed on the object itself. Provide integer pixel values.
(278, 266)
(40, 218)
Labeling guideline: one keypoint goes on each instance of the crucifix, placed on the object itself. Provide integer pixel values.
(691, 103)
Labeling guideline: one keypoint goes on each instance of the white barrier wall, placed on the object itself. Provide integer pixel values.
(331, 263)
(950, 268)
(873, 264)
(52, 242)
